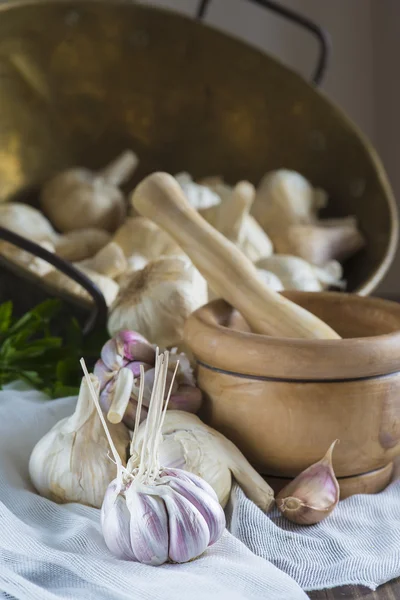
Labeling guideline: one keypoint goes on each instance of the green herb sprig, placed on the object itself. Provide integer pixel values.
(31, 351)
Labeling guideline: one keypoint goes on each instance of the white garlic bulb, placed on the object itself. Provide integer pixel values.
(79, 198)
(295, 273)
(152, 514)
(199, 196)
(189, 444)
(142, 241)
(157, 300)
(271, 280)
(70, 463)
(284, 198)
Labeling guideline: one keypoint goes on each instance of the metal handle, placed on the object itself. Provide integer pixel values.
(322, 36)
(99, 312)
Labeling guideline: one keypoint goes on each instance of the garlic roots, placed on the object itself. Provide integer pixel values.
(191, 445)
(129, 350)
(157, 300)
(70, 463)
(152, 514)
(79, 199)
(312, 495)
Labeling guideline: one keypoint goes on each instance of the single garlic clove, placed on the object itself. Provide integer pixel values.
(190, 478)
(148, 527)
(207, 504)
(136, 347)
(115, 520)
(189, 535)
(312, 495)
(187, 398)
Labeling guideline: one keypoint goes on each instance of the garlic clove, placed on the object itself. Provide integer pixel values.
(136, 347)
(115, 523)
(187, 398)
(191, 478)
(149, 533)
(206, 504)
(81, 244)
(109, 261)
(189, 535)
(313, 494)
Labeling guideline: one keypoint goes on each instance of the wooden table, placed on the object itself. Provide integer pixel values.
(389, 591)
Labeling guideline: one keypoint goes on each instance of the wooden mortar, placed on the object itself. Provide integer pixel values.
(286, 392)
(283, 401)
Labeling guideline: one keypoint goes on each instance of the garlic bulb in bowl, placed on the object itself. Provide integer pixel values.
(156, 300)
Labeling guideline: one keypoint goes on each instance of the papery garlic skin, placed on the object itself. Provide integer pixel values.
(312, 495)
(129, 349)
(70, 463)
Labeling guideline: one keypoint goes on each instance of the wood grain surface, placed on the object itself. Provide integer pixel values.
(389, 591)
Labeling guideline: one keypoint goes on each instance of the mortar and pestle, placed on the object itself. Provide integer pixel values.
(292, 372)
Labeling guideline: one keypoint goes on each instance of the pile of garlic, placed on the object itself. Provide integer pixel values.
(149, 284)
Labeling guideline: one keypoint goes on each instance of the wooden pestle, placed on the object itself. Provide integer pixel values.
(229, 273)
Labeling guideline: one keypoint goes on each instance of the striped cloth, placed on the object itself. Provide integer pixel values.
(48, 551)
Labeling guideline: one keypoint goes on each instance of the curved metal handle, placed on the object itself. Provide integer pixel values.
(99, 313)
(322, 36)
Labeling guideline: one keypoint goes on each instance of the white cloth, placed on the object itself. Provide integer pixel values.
(49, 551)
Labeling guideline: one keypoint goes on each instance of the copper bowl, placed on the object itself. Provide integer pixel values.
(83, 80)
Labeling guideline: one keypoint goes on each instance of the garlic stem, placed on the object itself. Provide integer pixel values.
(122, 395)
(95, 399)
(253, 485)
(120, 169)
(84, 406)
(138, 411)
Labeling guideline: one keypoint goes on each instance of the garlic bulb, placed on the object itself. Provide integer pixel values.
(129, 350)
(157, 300)
(231, 218)
(142, 241)
(323, 241)
(199, 196)
(70, 464)
(295, 273)
(284, 198)
(152, 514)
(271, 280)
(78, 198)
(26, 221)
(189, 444)
(30, 223)
(109, 261)
(312, 495)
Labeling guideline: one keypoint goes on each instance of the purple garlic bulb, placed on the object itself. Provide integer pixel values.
(130, 350)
